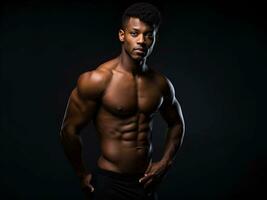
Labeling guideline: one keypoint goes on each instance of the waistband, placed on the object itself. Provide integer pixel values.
(119, 176)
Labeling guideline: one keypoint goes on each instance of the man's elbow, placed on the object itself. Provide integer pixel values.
(177, 125)
(178, 130)
(67, 132)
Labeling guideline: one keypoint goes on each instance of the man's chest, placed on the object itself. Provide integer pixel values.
(126, 95)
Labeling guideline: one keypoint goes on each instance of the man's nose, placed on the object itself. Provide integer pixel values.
(141, 39)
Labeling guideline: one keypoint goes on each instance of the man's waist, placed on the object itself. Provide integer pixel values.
(126, 165)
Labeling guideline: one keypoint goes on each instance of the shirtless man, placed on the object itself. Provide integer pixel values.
(121, 97)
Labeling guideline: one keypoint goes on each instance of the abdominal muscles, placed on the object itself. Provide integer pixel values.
(125, 145)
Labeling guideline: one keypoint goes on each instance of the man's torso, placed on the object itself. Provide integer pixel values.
(124, 118)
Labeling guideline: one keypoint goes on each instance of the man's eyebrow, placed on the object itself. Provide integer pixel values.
(132, 29)
(148, 31)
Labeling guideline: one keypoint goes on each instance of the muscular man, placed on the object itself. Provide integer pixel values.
(121, 97)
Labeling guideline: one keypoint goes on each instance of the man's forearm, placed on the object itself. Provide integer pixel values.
(73, 149)
(173, 143)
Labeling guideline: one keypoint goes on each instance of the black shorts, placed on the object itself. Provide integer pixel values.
(110, 185)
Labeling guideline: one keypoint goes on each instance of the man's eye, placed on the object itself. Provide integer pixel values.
(149, 35)
(133, 34)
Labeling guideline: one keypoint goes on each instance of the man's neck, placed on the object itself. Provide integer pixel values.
(131, 66)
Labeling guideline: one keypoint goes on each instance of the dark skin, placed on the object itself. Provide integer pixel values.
(121, 97)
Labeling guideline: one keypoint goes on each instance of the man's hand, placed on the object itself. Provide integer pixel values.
(86, 186)
(154, 174)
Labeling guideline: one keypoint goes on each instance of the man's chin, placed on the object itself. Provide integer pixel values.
(138, 57)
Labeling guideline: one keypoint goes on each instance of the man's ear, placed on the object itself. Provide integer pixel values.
(121, 35)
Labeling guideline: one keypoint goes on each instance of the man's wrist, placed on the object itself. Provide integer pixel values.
(166, 162)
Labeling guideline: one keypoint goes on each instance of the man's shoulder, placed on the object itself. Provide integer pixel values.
(94, 82)
(96, 76)
(164, 83)
(100, 75)
(161, 79)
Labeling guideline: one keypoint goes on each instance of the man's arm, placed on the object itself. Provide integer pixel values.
(81, 107)
(171, 112)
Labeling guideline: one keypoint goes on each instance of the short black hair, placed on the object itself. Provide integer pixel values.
(146, 12)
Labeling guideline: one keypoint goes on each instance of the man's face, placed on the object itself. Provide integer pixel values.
(138, 38)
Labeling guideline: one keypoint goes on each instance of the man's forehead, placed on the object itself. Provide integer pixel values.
(136, 23)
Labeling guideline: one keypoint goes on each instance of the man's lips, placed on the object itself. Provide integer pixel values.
(141, 50)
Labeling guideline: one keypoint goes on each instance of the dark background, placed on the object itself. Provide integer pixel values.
(215, 55)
